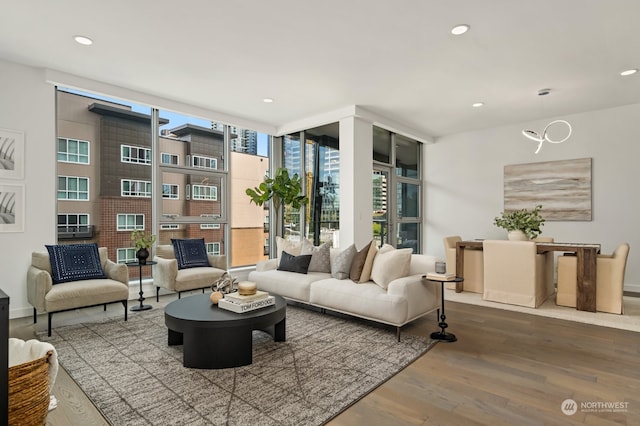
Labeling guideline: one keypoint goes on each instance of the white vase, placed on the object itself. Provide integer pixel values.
(517, 236)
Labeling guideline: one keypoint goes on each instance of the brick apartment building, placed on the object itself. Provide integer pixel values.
(105, 187)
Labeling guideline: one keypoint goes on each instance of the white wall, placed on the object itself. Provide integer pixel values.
(464, 181)
(27, 103)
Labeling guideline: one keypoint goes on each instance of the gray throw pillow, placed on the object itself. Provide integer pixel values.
(341, 266)
(320, 256)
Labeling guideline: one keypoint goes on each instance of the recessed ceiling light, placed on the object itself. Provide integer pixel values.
(629, 72)
(267, 100)
(477, 104)
(459, 29)
(86, 41)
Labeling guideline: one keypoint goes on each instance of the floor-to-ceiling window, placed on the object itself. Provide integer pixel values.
(109, 183)
(314, 154)
(397, 189)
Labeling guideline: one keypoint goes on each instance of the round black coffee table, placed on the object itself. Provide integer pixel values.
(216, 338)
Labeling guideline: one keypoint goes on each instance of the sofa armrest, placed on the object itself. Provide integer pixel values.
(39, 283)
(165, 272)
(219, 262)
(267, 265)
(422, 296)
(401, 286)
(117, 271)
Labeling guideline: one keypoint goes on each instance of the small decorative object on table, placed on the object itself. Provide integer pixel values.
(526, 222)
(230, 304)
(225, 284)
(215, 297)
(247, 288)
(446, 276)
(142, 243)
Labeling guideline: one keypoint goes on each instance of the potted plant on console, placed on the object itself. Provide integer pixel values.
(282, 189)
(142, 243)
(522, 224)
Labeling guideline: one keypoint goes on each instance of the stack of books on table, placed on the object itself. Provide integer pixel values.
(448, 276)
(238, 303)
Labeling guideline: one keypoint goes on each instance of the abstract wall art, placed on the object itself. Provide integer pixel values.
(563, 188)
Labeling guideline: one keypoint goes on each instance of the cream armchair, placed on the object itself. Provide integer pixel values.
(44, 296)
(610, 271)
(514, 273)
(473, 265)
(550, 268)
(167, 275)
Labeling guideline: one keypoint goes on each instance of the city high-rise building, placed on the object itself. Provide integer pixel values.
(241, 140)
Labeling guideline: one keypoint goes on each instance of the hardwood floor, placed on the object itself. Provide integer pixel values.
(507, 368)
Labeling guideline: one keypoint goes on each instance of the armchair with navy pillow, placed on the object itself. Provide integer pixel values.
(72, 276)
(185, 265)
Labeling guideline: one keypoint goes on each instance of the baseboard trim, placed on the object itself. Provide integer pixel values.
(632, 288)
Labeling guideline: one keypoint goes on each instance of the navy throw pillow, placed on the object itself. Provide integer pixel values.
(291, 263)
(75, 262)
(190, 253)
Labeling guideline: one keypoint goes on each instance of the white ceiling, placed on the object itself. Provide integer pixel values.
(396, 58)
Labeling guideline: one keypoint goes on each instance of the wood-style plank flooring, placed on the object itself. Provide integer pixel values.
(507, 368)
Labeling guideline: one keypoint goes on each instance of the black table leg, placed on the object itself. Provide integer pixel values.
(141, 306)
(442, 335)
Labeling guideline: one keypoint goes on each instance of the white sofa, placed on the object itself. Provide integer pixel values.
(405, 299)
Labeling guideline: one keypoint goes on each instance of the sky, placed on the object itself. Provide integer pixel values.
(175, 119)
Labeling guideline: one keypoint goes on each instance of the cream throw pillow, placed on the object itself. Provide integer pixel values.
(291, 247)
(390, 264)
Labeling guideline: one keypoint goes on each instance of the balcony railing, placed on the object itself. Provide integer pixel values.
(75, 232)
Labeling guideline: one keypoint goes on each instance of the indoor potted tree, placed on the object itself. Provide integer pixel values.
(522, 224)
(142, 243)
(281, 189)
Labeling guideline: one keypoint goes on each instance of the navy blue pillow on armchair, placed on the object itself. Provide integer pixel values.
(74, 262)
(190, 253)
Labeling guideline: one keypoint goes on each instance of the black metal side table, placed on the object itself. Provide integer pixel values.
(141, 306)
(442, 335)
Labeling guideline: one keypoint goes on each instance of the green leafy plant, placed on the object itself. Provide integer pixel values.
(139, 240)
(282, 189)
(525, 220)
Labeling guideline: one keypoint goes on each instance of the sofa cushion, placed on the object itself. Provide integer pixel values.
(192, 278)
(366, 300)
(74, 262)
(341, 265)
(291, 263)
(320, 256)
(286, 284)
(390, 264)
(190, 253)
(357, 265)
(73, 294)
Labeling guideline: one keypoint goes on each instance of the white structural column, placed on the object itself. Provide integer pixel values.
(356, 196)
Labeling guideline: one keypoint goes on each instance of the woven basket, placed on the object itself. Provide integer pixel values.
(29, 392)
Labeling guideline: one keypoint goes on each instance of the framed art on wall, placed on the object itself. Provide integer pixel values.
(11, 208)
(563, 188)
(11, 154)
